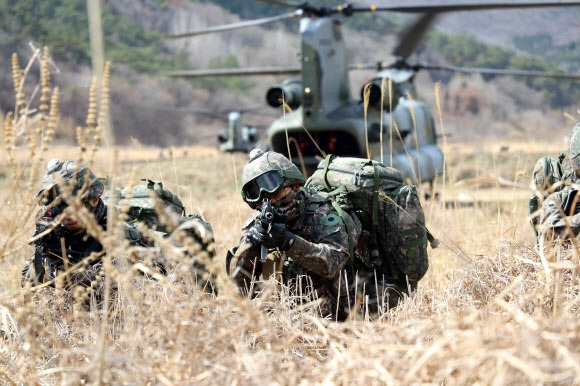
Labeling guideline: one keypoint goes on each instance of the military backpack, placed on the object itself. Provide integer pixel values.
(392, 218)
(145, 202)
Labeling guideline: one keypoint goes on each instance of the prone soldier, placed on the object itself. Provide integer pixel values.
(559, 216)
(66, 234)
(187, 241)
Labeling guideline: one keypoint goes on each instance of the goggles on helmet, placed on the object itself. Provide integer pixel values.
(269, 182)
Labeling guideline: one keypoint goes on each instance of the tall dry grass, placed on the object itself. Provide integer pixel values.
(491, 310)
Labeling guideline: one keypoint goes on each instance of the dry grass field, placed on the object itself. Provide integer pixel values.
(492, 308)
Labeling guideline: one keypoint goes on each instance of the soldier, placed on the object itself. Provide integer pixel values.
(73, 214)
(310, 237)
(549, 176)
(560, 212)
(162, 213)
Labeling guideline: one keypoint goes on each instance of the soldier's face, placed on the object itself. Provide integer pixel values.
(287, 201)
(276, 197)
(71, 220)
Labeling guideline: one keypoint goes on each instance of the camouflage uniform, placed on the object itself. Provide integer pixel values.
(559, 216)
(67, 181)
(318, 258)
(163, 213)
(548, 177)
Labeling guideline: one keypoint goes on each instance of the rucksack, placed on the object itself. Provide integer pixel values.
(389, 210)
(144, 202)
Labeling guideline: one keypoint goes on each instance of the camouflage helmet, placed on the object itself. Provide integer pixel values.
(546, 173)
(69, 178)
(267, 172)
(144, 200)
(575, 148)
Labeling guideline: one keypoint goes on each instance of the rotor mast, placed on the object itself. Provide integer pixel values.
(325, 73)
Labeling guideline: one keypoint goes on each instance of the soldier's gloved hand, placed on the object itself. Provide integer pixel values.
(279, 237)
(280, 218)
(256, 236)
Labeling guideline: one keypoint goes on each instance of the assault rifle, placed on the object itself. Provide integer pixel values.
(266, 219)
(48, 256)
(44, 226)
(48, 261)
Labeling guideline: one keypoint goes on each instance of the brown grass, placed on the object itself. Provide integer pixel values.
(491, 310)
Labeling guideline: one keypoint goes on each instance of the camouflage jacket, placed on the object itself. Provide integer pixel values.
(549, 175)
(560, 215)
(321, 252)
(48, 255)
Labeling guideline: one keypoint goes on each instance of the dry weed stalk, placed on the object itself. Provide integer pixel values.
(25, 129)
(18, 78)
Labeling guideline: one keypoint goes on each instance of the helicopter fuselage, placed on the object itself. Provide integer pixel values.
(322, 117)
(408, 139)
(388, 122)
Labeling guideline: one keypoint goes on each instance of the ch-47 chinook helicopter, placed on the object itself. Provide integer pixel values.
(386, 122)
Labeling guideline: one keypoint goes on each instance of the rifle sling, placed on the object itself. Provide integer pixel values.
(343, 215)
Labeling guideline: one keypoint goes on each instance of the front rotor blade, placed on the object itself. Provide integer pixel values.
(243, 24)
(413, 36)
(473, 70)
(221, 115)
(281, 3)
(234, 72)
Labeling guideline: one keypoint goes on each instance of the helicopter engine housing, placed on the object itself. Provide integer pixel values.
(419, 159)
(376, 97)
(419, 165)
(290, 92)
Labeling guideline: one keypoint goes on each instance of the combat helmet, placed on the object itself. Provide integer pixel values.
(267, 172)
(143, 202)
(575, 149)
(546, 173)
(68, 178)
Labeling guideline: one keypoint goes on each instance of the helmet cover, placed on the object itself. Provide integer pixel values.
(575, 148)
(546, 173)
(257, 176)
(69, 178)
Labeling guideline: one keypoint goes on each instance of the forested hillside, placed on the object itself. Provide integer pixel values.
(552, 54)
(144, 101)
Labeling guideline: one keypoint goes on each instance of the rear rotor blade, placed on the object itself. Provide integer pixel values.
(243, 24)
(234, 72)
(403, 65)
(442, 8)
(492, 71)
